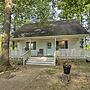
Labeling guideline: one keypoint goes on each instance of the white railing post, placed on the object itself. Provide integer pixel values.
(55, 58)
(55, 53)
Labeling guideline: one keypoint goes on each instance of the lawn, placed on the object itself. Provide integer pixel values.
(47, 78)
(53, 78)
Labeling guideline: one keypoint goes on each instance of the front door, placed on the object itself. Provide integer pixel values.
(49, 49)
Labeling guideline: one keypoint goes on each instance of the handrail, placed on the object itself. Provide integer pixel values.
(25, 56)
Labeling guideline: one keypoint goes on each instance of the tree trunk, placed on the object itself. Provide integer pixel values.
(6, 33)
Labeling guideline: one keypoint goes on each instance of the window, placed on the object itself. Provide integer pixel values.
(49, 45)
(33, 45)
(63, 44)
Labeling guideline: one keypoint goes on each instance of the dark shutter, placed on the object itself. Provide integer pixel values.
(66, 44)
(34, 45)
(81, 43)
(57, 45)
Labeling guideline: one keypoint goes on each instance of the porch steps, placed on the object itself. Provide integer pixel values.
(41, 61)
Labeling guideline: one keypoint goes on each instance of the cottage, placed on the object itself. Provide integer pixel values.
(43, 45)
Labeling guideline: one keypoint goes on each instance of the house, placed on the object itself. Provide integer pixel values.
(43, 45)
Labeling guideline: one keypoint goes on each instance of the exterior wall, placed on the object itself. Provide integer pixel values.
(21, 47)
(74, 43)
(42, 44)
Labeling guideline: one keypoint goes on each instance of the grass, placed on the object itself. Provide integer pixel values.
(51, 71)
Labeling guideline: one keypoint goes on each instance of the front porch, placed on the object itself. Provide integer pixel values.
(46, 46)
(41, 49)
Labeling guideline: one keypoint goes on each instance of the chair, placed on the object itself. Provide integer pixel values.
(40, 52)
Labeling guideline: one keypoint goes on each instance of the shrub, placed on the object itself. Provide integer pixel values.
(16, 62)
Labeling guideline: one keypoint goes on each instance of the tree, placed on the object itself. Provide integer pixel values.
(32, 11)
(74, 9)
(6, 32)
(1, 14)
(22, 11)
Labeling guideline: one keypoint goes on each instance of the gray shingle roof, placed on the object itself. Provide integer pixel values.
(53, 29)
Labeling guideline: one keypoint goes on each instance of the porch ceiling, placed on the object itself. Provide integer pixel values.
(49, 37)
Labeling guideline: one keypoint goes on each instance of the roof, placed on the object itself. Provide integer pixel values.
(53, 29)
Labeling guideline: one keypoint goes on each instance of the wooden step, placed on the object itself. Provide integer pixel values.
(41, 61)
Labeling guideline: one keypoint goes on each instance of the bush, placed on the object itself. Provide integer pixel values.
(16, 62)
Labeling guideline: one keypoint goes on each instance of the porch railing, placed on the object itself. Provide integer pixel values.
(72, 53)
(20, 55)
(25, 56)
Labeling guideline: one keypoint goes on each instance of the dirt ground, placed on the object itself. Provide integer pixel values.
(47, 78)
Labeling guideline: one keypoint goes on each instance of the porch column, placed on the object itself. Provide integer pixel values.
(55, 43)
(55, 52)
